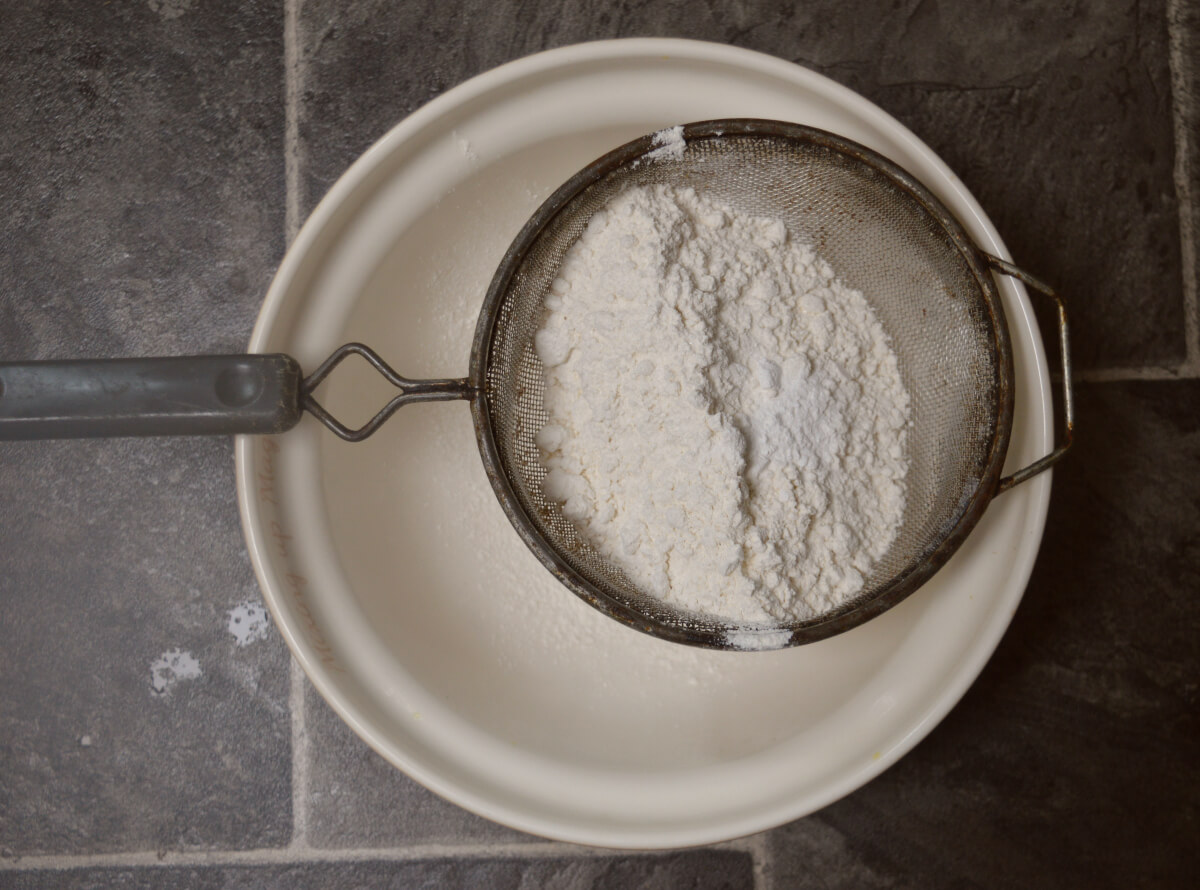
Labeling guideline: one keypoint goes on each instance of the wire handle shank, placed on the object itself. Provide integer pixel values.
(410, 391)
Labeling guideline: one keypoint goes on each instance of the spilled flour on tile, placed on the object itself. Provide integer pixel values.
(248, 622)
(170, 668)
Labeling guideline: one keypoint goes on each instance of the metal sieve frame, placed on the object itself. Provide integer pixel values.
(920, 569)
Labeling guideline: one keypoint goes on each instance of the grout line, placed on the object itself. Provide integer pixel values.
(300, 760)
(1182, 22)
(291, 167)
(760, 851)
(291, 106)
(296, 856)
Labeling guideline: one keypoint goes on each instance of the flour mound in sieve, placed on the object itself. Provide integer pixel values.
(727, 419)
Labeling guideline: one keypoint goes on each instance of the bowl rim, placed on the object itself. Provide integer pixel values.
(309, 657)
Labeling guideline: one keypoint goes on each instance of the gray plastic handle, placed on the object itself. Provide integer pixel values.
(179, 396)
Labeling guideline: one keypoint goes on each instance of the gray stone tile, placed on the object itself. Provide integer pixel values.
(121, 557)
(358, 799)
(142, 160)
(1075, 759)
(701, 870)
(142, 212)
(1058, 117)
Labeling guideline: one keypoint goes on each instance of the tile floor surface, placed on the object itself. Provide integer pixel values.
(155, 157)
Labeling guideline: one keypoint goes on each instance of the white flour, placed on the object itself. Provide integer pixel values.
(170, 668)
(727, 420)
(670, 145)
(248, 622)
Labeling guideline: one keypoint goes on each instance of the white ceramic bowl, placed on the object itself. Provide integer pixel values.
(410, 601)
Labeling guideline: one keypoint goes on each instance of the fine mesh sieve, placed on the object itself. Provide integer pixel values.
(883, 234)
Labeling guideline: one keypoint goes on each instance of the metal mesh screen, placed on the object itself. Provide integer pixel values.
(879, 238)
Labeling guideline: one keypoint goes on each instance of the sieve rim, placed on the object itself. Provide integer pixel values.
(716, 634)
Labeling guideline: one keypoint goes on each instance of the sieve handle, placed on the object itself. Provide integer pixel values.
(1068, 400)
(188, 396)
(410, 391)
(172, 396)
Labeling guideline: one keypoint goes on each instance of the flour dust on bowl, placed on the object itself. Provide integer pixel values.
(391, 568)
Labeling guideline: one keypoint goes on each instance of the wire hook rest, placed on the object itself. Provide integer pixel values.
(1068, 396)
